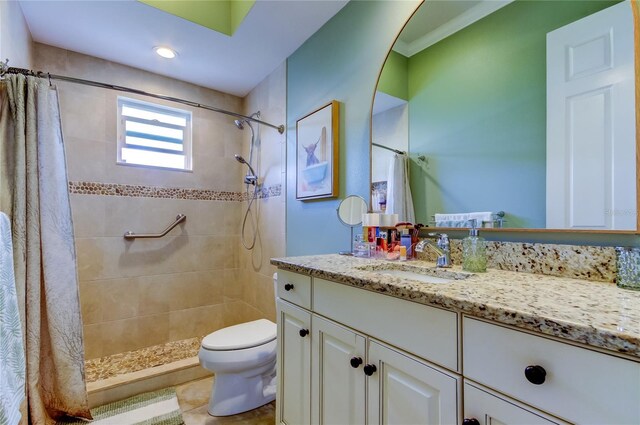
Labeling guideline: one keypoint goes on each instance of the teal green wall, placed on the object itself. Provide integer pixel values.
(341, 61)
(394, 76)
(477, 110)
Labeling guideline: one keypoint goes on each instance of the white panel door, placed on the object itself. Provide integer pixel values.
(294, 365)
(489, 409)
(591, 142)
(338, 391)
(405, 390)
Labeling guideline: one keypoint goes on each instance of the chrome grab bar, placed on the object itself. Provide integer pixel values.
(179, 219)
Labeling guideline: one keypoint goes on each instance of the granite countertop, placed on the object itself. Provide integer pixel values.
(594, 313)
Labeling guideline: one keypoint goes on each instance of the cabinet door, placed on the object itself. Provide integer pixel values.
(294, 365)
(405, 390)
(338, 392)
(489, 409)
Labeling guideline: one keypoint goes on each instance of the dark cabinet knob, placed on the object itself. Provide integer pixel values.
(355, 362)
(288, 286)
(470, 421)
(535, 374)
(369, 369)
(304, 332)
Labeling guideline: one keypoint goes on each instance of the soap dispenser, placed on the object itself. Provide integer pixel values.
(474, 251)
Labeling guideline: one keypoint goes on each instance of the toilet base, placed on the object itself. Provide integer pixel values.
(234, 393)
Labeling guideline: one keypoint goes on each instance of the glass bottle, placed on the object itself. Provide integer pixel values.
(474, 251)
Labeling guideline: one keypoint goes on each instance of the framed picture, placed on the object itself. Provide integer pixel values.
(317, 148)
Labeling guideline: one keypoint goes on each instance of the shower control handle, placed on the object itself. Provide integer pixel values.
(288, 286)
(304, 332)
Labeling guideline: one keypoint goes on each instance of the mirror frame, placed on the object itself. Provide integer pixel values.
(635, 8)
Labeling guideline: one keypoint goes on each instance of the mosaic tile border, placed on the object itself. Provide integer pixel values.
(144, 358)
(141, 191)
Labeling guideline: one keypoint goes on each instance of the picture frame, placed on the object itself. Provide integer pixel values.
(317, 153)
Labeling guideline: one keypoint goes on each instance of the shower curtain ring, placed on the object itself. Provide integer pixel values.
(49, 76)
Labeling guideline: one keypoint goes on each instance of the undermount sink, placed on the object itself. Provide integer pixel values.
(421, 274)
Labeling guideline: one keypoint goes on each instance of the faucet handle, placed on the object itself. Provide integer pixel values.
(442, 240)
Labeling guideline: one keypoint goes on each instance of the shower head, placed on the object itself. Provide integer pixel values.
(250, 178)
(240, 123)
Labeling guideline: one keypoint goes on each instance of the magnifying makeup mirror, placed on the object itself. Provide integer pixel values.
(350, 213)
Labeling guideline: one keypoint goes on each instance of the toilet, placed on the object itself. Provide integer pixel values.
(243, 360)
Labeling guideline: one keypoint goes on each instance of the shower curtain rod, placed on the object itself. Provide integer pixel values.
(390, 149)
(10, 70)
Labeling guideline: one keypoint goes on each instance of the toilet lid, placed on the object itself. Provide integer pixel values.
(244, 335)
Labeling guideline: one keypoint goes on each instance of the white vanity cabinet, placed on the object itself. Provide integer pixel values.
(356, 376)
(407, 390)
(294, 364)
(483, 407)
(352, 356)
(573, 383)
(357, 380)
(339, 355)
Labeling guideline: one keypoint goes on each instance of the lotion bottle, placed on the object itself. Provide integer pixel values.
(474, 252)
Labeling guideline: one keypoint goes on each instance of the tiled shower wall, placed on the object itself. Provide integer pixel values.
(146, 292)
(269, 97)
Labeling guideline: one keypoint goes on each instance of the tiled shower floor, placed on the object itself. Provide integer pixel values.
(144, 358)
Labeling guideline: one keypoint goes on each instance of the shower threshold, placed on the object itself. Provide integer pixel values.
(122, 375)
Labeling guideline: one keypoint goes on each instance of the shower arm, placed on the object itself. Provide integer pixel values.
(4, 69)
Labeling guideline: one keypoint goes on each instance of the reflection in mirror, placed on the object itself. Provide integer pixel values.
(523, 113)
(351, 209)
(350, 212)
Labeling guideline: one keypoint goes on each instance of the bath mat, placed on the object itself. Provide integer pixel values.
(154, 408)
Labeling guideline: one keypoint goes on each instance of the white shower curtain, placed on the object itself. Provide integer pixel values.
(34, 194)
(12, 358)
(399, 200)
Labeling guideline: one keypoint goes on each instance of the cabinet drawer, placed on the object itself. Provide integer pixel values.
(489, 408)
(580, 385)
(295, 288)
(427, 332)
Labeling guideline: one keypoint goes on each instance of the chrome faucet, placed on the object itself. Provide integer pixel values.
(440, 247)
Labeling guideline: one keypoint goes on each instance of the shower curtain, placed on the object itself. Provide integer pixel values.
(33, 193)
(399, 200)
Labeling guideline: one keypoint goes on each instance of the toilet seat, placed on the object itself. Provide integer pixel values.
(242, 336)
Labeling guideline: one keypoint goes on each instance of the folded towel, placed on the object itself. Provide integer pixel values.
(452, 217)
(12, 357)
(464, 219)
(481, 217)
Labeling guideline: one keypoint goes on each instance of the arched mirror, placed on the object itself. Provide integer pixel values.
(520, 114)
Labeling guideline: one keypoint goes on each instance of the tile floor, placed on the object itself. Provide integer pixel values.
(193, 398)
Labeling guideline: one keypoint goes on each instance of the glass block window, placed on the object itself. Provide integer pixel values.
(153, 135)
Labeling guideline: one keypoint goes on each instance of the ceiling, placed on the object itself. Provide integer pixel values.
(125, 31)
(438, 19)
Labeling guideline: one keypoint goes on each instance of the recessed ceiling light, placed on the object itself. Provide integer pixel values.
(165, 52)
